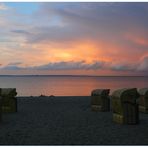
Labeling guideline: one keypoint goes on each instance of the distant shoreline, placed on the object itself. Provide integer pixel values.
(63, 76)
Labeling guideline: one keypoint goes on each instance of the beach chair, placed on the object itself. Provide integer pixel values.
(9, 101)
(0, 108)
(124, 106)
(100, 100)
(143, 100)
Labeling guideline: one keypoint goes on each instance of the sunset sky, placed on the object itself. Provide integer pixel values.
(74, 38)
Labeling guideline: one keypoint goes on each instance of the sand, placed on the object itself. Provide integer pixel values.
(67, 121)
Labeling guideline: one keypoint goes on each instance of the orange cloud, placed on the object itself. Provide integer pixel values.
(83, 50)
(138, 39)
(76, 51)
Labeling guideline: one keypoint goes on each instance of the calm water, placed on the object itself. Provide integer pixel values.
(67, 85)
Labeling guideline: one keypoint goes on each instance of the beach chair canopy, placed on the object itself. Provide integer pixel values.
(100, 92)
(8, 92)
(143, 91)
(126, 95)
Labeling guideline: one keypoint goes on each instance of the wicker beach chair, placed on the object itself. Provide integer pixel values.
(143, 100)
(9, 101)
(100, 100)
(0, 108)
(124, 105)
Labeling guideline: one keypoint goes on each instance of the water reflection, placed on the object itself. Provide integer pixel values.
(68, 85)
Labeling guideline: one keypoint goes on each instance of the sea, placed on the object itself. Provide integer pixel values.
(36, 85)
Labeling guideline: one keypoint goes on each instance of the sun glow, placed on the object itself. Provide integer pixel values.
(64, 56)
(84, 50)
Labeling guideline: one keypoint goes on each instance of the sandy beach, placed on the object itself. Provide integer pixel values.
(67, 121)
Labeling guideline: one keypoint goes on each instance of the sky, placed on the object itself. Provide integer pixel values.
(74, 38)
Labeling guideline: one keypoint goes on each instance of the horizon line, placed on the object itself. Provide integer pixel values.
(78, 75)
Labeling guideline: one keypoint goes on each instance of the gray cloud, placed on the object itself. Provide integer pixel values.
(11, 67)
(70, 66)
(141, 66)
(54, 34)
(14, 63)
(90, 20)
(123, 67)
(20, 32)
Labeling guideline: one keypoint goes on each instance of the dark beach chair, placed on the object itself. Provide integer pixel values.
(100, 100)
(124, 106)
(9, 101)
(0, 108)
(143, 100)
